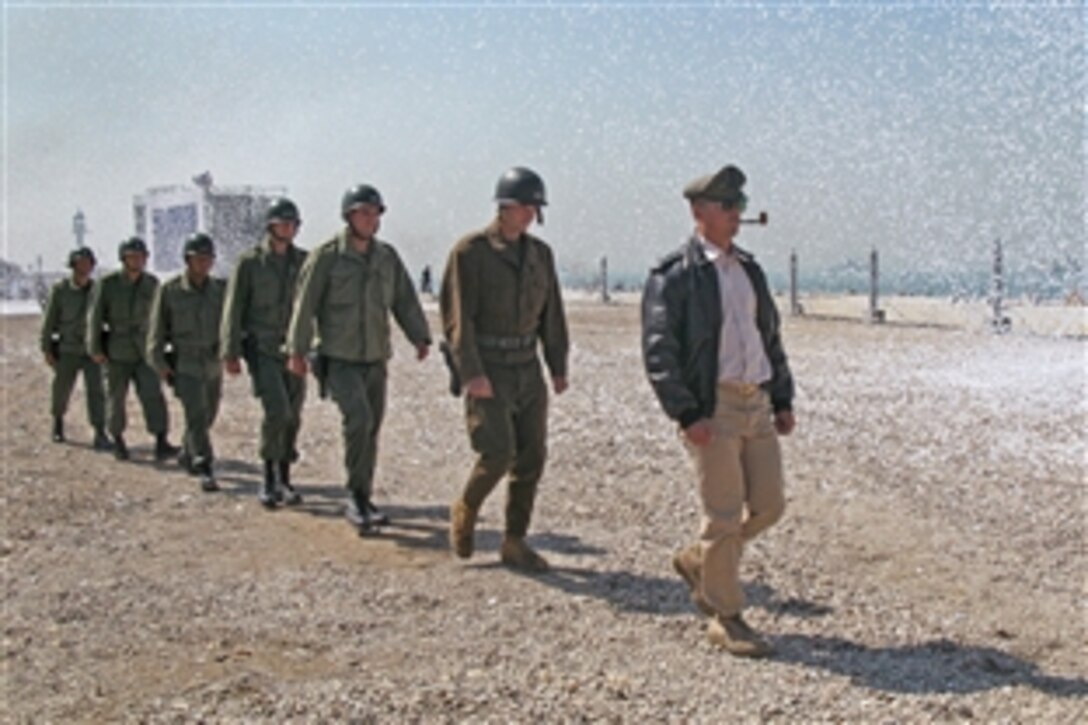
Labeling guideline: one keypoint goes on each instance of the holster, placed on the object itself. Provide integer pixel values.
(171, 357)
(319, 364)
(451, 366)
(249, 354)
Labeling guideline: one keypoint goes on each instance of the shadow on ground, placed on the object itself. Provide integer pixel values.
(937, 667)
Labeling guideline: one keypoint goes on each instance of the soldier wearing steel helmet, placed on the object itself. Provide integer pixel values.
(116, 333)
(260, 294)
(501, 306)
(347, 290)
(185, 318)
(64, 326)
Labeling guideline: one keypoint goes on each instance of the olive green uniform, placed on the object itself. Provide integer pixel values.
(187, 318)
(349, 296)
(64, 326)
(256, 314)
(500, 301)
(119, 311)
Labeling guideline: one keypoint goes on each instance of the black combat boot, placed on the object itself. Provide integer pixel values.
(101, 440)
(120, 450)
(358, 514)
(208, 484)
(163, 449)
(291, 495)
(377, 515)
(58, 430)
(186, 462)
(269, 493)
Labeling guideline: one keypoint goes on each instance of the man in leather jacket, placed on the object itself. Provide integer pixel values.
(713, 354)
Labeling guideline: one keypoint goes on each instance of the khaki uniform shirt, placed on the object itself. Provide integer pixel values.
(348, 297)
(66, 317)
(259, 298)
(188, 319)
(120, 306)
(493, 292)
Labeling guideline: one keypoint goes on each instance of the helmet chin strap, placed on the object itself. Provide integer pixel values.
(540, 216)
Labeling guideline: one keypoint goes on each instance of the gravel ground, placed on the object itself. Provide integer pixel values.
(930, 568)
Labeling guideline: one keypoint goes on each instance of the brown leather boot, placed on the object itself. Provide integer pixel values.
(516, 554)
(462, 528)
(735, 636)
(689, 565)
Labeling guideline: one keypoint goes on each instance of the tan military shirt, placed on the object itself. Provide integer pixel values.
(499, 299)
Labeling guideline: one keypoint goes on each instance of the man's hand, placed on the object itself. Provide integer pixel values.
(560, 384)
(50, 360)
(784, 422)
(297, 365)
(479, 387)
(100, 359)
(422, 350)
(232, 365)
(699, 433)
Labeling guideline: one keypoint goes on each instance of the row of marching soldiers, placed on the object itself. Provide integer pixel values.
(286, 312)
(710, 344)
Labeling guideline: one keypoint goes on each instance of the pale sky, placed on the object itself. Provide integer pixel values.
(922, 129)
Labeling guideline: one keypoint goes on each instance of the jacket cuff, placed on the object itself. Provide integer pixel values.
(688, 417)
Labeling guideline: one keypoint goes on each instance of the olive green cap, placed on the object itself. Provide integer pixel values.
(724, 186)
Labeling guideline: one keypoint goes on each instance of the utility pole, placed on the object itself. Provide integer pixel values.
(876, 315)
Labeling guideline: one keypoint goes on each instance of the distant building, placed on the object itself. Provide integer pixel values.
(233, 216)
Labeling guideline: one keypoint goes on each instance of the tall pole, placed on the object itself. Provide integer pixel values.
(875, 313)
(604, 279)
(999, 322)
(795, 303)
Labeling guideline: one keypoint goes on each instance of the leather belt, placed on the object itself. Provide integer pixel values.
(738, 387)
(501, 342)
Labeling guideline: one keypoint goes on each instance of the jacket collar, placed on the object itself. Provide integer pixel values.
(495, 239)
(344, 247)
(694, 253)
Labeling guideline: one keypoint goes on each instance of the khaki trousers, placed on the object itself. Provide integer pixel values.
(740, 488)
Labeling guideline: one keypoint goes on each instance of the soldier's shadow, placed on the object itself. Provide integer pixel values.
(939, 666)
(648, 593)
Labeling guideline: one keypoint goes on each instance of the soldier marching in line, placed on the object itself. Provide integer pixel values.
(116, 335)
(256, 314)
(500, 301)
(64, 327)
(186, 316)
(347, 289)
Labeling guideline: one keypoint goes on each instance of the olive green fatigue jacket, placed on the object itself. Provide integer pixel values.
(188, 318)
(258, 303)
(350, 295)
(121, 306)
(66, 317)
(498, 299)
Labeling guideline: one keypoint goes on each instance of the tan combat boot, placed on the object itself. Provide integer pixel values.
(689, 565)
(516, 554)
(735, 636)
(462, 528)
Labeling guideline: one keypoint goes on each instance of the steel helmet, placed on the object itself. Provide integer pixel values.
(199, 243)
(521, 185)
(283, 210)
(130, 245)
(358, 195)
(81, 253)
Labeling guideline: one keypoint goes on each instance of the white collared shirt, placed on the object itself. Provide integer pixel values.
(741, 357)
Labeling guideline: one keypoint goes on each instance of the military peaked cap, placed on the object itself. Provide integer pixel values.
(724, 186)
